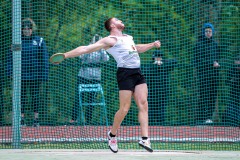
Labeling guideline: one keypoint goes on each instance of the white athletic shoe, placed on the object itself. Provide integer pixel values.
(145, 144)
(112, 143)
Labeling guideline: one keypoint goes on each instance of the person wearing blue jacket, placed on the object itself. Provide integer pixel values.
(206, 56)
(158, 78)
(34, 69)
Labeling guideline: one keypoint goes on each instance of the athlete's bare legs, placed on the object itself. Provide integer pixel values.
(125, 97)
(140, 96)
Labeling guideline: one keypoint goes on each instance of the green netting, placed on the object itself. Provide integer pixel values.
(191, 103)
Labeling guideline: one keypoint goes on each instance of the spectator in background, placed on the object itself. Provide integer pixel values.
(157, 76)
(89, 73)
(206, 55)
(34, 68)
(231, 115)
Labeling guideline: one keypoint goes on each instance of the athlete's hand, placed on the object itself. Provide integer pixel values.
(157, 44)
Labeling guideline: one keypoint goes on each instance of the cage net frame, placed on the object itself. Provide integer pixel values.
(181, 95)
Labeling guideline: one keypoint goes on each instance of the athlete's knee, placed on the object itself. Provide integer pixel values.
(143, 102)
(123, 111)
(143, 105)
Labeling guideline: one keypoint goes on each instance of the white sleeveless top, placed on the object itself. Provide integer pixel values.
(125, 52)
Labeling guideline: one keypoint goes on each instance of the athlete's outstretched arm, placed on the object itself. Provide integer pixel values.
(145, 47)
(104, 43)
(86, 49)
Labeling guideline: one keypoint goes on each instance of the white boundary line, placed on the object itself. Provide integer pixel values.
(128, 139)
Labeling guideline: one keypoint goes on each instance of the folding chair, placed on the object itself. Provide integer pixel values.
(97, 88)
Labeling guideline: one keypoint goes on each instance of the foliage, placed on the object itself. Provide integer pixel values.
(68, 24)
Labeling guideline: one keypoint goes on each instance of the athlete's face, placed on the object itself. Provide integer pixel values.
(118, 24)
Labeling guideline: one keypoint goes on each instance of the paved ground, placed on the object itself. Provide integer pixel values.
(123, 155)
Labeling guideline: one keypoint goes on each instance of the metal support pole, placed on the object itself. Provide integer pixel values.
(16, 51)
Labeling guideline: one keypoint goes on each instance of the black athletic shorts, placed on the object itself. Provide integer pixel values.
(128, 78)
